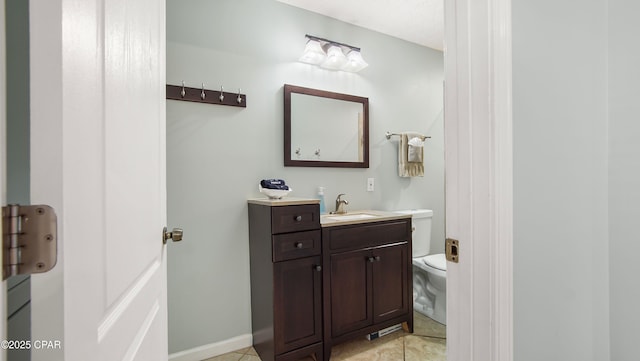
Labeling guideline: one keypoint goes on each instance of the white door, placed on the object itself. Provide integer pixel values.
(478, 154)
(98, 157)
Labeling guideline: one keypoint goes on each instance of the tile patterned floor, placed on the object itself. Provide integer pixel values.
(427, 343)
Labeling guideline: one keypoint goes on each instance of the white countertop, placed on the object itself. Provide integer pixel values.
(358, 217)
(330, 220)
(283, 201)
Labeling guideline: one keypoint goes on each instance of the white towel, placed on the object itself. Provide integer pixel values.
(416, 146)
(406, 168)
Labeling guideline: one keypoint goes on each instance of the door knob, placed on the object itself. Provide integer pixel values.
(175, 235)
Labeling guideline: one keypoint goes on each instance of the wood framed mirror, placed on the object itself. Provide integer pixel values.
(325, 129)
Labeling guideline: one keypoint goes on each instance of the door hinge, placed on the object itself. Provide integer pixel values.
(451, 249)
(29, 237)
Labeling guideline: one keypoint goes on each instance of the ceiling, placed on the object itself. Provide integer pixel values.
(417, 21)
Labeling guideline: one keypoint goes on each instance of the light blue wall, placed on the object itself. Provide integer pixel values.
(624, 182)
(561, 279)
(216, 155)
(17, 27)
(18, 173)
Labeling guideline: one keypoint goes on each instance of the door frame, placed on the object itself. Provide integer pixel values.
(479, 178)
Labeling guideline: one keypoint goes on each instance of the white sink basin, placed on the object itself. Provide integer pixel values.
(350, 217)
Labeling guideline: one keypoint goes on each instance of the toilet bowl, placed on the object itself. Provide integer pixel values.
(429, 270)
(429, 287)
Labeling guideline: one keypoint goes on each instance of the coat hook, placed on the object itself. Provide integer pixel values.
(182, 92)
(221, 97)
(202, 94)
(239, 99)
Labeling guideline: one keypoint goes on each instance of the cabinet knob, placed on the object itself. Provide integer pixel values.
(377, 258)
(371, 259)
(298, 244)
(318, 268)
(298, 218)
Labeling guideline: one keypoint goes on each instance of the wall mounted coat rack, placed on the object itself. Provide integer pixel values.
(208, 96)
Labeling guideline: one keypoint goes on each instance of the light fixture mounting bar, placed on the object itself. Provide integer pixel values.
(311, 37)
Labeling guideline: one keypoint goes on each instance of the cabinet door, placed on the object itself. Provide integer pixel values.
(297, 303)
(351, 306)
(391, 295)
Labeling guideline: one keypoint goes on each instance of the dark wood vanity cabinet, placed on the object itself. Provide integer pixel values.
(367, 279)
(313, 287)
(350, 278)
(392, 288)
(369, 287)
(297, 304)
(286, 280)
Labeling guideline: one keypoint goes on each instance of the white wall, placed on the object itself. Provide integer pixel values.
(561, 278)
(216, 155)
(624, 181)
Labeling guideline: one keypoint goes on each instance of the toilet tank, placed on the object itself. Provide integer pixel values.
(421, 238)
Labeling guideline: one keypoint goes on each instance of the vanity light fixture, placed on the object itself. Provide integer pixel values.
(330, 54)
(335, 59)
(313, 53)
(355, 62)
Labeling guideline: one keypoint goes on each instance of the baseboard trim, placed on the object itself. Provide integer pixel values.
(213, 349)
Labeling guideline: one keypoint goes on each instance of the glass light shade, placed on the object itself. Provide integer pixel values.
(335, 58)
(313, 53)
(355, 62)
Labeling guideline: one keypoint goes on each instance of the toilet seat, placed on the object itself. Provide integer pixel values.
(437, 261)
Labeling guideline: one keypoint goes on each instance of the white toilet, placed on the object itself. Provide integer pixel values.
(429, 270)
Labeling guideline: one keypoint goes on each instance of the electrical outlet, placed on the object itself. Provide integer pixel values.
(369, 184)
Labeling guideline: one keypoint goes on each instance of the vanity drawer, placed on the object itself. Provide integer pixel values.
(296, 245)
(370, 235)
(295, 218)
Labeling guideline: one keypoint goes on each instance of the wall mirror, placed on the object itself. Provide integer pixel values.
(325, 129)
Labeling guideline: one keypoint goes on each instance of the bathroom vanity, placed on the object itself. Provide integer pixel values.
(367, 279)
(286, 278)
(320, 280)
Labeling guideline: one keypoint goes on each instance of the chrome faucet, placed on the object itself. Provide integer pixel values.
(340, 203)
